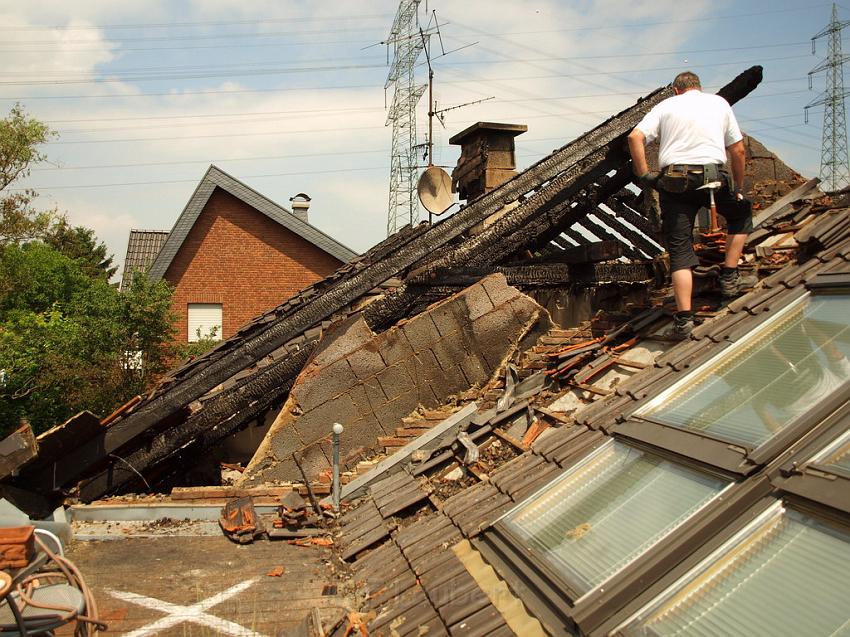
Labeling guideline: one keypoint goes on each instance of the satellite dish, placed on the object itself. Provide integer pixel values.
(435, 190)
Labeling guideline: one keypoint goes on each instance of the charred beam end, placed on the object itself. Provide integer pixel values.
(220, 417)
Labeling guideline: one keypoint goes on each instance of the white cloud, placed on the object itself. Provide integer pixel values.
(549, 64)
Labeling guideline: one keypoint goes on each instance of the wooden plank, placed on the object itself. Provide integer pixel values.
(17, 449)
(65, 438)
(358, 486)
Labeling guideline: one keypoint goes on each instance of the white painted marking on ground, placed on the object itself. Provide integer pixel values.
(196, 613)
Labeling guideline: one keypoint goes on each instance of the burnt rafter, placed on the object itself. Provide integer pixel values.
(543, 274)
(546, 179)
(221, 416)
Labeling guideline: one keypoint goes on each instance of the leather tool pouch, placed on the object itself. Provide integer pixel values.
(678, 179)
(675, 179)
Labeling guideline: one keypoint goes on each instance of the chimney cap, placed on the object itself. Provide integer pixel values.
(512, 129)
(300, 197)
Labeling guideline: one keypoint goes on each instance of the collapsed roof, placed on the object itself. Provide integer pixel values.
(216, 394)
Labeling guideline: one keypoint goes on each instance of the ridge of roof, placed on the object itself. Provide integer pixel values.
(215, 177)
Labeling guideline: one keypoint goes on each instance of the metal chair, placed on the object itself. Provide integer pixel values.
(46, 594)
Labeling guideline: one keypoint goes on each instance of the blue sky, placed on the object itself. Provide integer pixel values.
(288, 96)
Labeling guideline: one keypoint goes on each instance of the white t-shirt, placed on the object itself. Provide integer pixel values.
(693, 127)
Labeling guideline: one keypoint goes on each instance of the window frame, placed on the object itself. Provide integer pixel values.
(713, 551)
(804, 476)
(195, 339)
(560, 604)
(703, 447)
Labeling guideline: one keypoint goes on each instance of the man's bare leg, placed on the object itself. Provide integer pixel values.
(734, 248)
(682, 289)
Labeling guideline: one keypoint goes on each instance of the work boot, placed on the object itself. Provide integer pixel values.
(683, 325)
(732, 284)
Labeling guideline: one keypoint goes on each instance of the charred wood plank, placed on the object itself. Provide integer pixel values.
(639, 241)
(636, 219)
(598, 273)
(524, 275)
(576, 236)
(220, 417)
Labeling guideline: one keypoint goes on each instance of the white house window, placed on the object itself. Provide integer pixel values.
(204, 321)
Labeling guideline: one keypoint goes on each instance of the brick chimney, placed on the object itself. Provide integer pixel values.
(487, 158)
(300, 206)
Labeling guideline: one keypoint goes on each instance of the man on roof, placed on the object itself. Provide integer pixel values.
(695, 131)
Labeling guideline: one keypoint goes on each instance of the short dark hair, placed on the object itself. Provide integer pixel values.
(686, 80)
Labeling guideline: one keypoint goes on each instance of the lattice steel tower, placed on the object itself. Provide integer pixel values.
(407, 41)
(834, 168)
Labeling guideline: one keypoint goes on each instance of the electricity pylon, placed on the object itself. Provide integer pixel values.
(834, 167)
(407, 42)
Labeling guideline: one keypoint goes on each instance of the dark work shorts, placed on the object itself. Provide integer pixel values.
(679, 211)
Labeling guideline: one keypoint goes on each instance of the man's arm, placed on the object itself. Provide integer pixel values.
(637, 148)
(737, 157)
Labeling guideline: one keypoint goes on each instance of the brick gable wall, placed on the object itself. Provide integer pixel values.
(236, 256)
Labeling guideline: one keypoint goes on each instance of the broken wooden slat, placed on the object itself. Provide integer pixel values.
(214, 422)
(17, 449)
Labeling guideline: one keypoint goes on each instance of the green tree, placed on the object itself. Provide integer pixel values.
(80, 244)
(20, 137)
(70, 341)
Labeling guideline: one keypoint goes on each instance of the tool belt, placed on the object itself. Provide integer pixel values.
(678, 178)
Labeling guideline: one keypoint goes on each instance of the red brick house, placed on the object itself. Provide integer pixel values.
(233, 254)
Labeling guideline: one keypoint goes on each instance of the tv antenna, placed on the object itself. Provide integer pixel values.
(434, 186)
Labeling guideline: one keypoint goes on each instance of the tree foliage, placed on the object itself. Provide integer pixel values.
(20, 137)
(81, 244)
(69, 340)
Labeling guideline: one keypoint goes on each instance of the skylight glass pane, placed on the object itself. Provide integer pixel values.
(602, 514)
(837, 455)
(789, 575)
(767, 381)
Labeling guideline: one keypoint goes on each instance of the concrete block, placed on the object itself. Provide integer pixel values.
(362, 433)
(374, 393)
(452, 381)
(495, 333)
(340, 339)
(393, 346)
(523, 308)
(450, 316)
(285, 443)
(426, 396)
(426, 366)
(476, 369)
(421, 332)
(366, 361)
(313, 460)
(477, 301)
(449, 352)
(390, 413)
(315, 386)
(361, 400)
(498, 290)
(317, 423)
(395, 381)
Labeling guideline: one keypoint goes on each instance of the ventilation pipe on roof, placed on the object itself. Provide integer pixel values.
(300, 206)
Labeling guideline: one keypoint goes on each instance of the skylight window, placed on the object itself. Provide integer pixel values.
(606, 511)
(784, 574)
(767, 381)
(836, 456)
